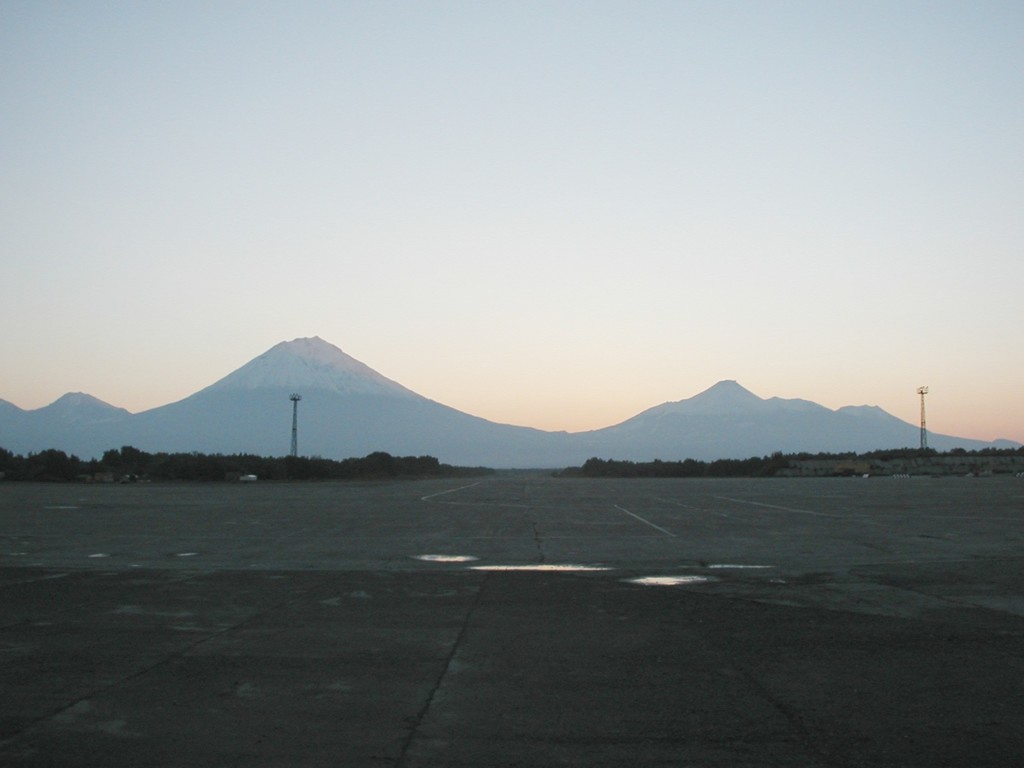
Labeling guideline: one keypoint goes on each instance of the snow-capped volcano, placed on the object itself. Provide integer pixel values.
(348, 409)
(310, 363)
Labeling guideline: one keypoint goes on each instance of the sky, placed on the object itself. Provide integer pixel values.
(555, 214)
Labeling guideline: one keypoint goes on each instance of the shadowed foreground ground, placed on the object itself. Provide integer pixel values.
(829, 623)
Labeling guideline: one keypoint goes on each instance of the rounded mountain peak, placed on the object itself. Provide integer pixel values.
(727, 395)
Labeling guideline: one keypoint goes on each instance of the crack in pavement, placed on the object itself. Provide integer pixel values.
(456, 646)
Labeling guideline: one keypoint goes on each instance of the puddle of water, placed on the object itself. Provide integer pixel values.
(100, 554)
(186, 554)
(737, 566)
(670, 581)
(446, 558)
(539, 567)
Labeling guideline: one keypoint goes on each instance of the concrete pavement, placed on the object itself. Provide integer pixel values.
(843, 622)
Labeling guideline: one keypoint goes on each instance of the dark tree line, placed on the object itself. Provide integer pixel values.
(130, 464)
(753, 467)
(765, 466)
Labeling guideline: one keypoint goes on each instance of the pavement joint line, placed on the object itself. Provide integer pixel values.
(645, 522)
(539, 542)
(421, 715)
(803, 731)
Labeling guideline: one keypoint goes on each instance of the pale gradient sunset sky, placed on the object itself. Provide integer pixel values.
(554, 214)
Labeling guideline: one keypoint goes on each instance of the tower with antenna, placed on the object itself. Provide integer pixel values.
(922, 391)
(295, 397)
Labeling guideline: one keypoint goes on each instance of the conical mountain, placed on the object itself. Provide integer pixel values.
(309, 363)
(347, 409)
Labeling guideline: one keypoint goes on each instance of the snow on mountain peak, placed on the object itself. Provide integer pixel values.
(310, 363)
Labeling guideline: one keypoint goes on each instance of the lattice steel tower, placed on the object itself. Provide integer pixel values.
(295, 397)
(922, 391)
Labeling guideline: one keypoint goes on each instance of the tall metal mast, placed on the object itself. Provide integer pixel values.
(295, 397)
(922, 391)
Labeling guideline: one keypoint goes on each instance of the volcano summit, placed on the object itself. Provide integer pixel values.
(348, 409)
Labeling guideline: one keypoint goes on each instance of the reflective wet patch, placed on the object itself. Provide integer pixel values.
(540, 567)
(670, 581)
(738, 566)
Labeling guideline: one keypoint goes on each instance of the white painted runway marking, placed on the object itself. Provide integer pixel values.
(450, 490)
(775, 506)
(675, 503)
(859, 518)
(645, 522)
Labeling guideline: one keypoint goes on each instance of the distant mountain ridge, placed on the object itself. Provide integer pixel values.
(348, 409)
(724, 397)
(728, 421)
(78, 407)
